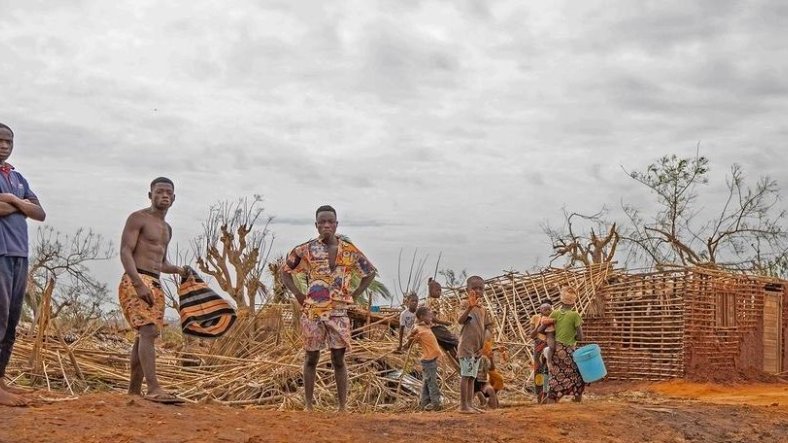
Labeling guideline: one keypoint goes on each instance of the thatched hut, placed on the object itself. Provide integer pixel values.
(690, 322)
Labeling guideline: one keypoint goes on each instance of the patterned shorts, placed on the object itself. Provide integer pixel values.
(328, 330)
(469, 366)
(136, 311)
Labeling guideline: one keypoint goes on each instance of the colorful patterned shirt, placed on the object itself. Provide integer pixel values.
(327, 287)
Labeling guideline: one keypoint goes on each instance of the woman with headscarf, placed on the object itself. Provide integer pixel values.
(565, 378)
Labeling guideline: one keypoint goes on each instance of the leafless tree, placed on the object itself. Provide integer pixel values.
(453, 279)
(593, 248)
(62, 261)
(747, 231)
(79, 304)
(234, 249)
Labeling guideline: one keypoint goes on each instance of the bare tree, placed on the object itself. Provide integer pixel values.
(234, 248)
(746, 232)
(80, 304)
(584, 249)
(661, 240)
(62, 261)
(453, 279)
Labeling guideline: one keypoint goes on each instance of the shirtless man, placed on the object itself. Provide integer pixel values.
(17, 204)
(143, 252)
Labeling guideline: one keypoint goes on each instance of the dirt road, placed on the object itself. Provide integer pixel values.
(667, 412)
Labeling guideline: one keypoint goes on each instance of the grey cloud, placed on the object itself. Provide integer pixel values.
(404, 110)
(306, 221)
(480, 9)
(59, 139)
(536, 179)
(596, 172)
(353, 222)
(399, 63)
(727, 77)
(656, 27)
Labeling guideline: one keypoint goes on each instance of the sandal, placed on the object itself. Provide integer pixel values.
(164, 398)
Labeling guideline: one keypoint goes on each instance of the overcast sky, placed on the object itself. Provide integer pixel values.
(444, 126)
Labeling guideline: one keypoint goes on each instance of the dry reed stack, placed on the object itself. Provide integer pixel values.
(258, 363)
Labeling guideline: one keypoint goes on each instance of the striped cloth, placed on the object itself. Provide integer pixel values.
(203, 312)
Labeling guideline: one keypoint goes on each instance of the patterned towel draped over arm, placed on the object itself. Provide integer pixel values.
(204, 313)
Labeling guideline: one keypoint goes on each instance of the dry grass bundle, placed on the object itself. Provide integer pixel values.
(258, 363)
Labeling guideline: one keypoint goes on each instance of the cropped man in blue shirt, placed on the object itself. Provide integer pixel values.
(17, 204)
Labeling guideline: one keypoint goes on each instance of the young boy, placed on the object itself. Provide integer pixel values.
(482, 387)
(475, 321)
(407, 319)
(544, 330)
(422, 334)
(447, 341)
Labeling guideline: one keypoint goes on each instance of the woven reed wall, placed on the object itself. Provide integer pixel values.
(724, 323)
(641, 326)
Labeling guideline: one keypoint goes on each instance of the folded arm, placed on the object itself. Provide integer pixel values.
(30, 208)
(7, 208)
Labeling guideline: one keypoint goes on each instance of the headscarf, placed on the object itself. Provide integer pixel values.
(568, 296)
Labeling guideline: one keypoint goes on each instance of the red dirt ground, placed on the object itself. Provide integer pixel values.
(675, 411)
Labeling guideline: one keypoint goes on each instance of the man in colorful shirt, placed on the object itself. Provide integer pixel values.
(329, 263)
(17, 204)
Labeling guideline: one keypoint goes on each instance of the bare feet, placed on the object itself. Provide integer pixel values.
(9, 399)
(135, 385)
(12, 389)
